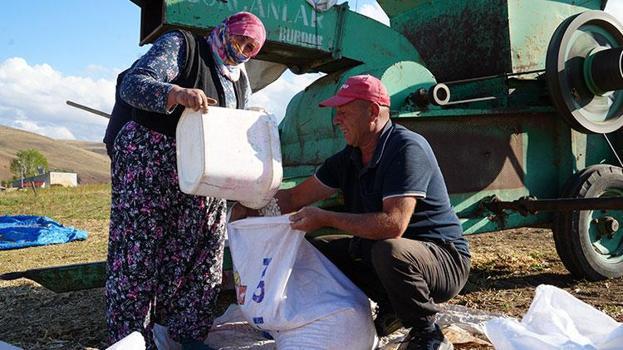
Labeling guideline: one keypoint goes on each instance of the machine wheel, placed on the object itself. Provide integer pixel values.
(568, 72)
(590, 242)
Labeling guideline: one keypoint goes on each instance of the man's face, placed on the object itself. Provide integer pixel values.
(353, 119)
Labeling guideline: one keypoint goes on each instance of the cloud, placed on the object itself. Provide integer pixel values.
(375, 12)
(615, 8)
(368, 8)
(275, 97)
(94, 70)
(55, 132)
(33, 99)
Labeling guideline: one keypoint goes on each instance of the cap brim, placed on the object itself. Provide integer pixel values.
(336, 101)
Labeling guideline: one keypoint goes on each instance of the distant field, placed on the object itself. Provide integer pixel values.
(84, 207)
(88, 159)
(33, 317)
(96, 147)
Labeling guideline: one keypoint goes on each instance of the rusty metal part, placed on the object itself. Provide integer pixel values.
(527, 206)
(483, 30)
(473, 156)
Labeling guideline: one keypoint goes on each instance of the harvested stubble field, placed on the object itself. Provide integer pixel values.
(507, 266)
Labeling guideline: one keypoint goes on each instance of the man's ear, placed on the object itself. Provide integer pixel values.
(374, 109)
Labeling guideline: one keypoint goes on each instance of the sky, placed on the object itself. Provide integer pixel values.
(53, 51)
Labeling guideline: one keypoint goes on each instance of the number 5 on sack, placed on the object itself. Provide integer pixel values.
(258, 296)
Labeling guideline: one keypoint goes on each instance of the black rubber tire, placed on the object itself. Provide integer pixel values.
(560, 227)
(572, 241)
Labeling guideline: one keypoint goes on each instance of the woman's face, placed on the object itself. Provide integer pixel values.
(244, 44)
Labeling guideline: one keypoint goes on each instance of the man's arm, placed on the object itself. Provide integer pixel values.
(307, 192)
(390, 223)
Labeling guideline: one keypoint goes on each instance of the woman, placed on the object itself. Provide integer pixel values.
(165, 247)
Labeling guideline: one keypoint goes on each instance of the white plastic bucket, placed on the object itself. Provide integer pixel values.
(229, 153)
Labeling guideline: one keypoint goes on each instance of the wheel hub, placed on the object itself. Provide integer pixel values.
(607, 226)
(584, 71)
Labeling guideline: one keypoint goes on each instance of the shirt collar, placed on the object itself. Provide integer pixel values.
(380, 147)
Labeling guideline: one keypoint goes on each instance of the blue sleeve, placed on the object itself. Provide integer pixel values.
(410, 172)
(329, 172)
(147, 85)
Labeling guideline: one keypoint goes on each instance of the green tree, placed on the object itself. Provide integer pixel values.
(28, 161)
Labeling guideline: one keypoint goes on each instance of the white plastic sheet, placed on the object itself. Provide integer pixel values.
(133, 341)
(556, 320)
(7, 346)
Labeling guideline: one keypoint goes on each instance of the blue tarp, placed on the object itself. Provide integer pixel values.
(23, 231)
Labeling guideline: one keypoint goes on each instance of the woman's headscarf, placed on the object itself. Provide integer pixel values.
(226, 55)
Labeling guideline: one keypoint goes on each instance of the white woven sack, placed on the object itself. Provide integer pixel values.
(282, 281)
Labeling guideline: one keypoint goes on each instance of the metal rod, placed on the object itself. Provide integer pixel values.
(525, 206)
(613, 150)
(505, 75)
(11, 276)
(88, 109)
(478, 99)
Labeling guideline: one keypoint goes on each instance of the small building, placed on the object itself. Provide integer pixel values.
(52, 178)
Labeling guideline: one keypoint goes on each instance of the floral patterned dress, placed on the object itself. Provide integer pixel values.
(165, 247)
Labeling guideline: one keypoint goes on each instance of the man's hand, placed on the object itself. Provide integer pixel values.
(238, 211)
(309, 219)
(190, 98)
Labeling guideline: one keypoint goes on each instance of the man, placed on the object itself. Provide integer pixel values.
(407, 250)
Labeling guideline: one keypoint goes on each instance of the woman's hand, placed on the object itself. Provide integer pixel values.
(190, 98)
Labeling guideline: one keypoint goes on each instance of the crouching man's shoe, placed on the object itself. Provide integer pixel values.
(386, 322)
(418, 339)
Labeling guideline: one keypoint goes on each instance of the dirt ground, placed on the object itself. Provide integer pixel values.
(507, 266)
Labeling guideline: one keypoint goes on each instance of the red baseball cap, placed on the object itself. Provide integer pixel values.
(359, 87)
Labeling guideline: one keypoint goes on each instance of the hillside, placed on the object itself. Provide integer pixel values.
(97, 147)
(88, 159)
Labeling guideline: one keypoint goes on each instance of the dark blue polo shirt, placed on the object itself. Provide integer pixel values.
(403, 165)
